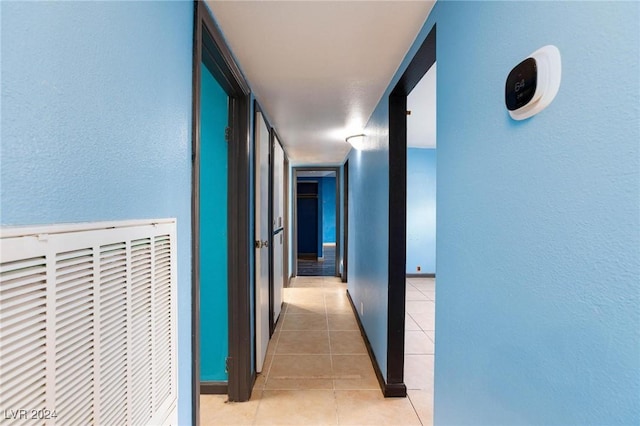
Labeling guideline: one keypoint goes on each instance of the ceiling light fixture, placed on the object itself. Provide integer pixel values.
(357, 145)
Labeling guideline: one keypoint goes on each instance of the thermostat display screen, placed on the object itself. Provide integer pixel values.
(521, 84)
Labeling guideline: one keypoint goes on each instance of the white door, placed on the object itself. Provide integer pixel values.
(278, 223)
(261, 240)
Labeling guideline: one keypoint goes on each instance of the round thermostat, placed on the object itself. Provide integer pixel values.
(533, 83)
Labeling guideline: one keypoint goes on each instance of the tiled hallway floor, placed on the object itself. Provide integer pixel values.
(317, 371)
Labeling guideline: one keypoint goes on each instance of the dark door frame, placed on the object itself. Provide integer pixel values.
(209, 48)
(345, 212)
(294, 271)
(424, 58)
(286, 266)
(273, 139)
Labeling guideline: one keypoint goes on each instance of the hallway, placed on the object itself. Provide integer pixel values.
(318, 371)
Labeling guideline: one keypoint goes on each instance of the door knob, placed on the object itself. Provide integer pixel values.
(259, 244)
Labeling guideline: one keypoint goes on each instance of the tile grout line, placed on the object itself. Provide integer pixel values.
(415, 410)
(333, 379)
(255, 413)
(326, 318)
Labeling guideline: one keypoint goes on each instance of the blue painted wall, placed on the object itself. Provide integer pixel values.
(328, 209)
(214, 324)
(368, 254)
(421, 210)
(538, 222)
(97, 127)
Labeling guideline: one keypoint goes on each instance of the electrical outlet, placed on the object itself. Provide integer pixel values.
(361, 308)
(418, 268)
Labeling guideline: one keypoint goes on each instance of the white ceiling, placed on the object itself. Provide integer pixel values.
(319, 68)
(421, 123)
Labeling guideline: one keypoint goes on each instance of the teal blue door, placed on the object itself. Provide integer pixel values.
(214, 325)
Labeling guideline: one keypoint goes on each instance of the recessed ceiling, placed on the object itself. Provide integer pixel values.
(318, 68)
(421, 123)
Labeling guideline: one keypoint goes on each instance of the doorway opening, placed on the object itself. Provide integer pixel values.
(423, 60)
(220, 218)
(421, 234)
(316, 211)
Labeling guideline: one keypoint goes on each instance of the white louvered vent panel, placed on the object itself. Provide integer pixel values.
(88, 322)
(23, 314)
(113, 337)
(163, 315)
(141, 269)
(74, 337)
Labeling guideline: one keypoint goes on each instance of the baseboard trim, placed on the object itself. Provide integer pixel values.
(394, 390)
(279, 317)
(214, 388)
(421, 275)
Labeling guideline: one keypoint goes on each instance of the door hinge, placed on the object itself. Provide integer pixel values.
(227, 365)
(227, 134)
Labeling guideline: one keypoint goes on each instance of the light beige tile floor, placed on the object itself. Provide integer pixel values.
(419, 345)
(318, 372)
